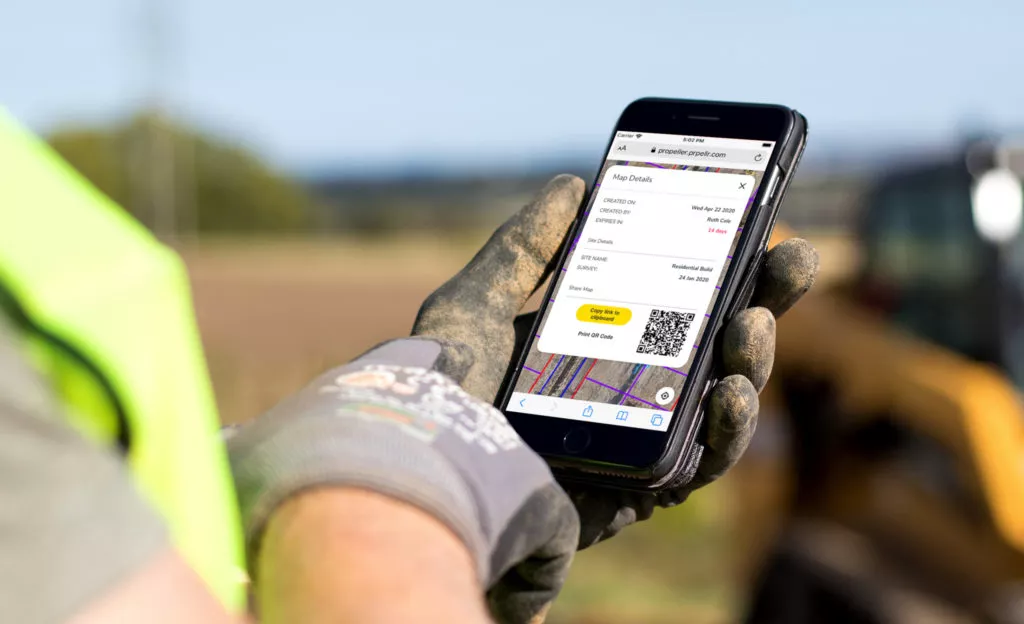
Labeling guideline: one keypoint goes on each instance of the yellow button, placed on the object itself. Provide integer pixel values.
(594, 313)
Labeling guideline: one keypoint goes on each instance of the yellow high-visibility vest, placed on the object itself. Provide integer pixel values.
(107, 316)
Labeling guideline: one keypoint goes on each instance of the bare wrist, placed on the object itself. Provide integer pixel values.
(343, 554)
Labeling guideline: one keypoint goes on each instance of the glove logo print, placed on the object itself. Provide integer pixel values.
(422, 402)
(418, 428)
(367, 379)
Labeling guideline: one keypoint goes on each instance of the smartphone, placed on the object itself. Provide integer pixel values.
(666, 248)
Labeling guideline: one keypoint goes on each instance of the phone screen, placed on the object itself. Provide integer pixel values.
(633, 299)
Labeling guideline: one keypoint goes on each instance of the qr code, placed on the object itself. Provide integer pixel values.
(665, 333)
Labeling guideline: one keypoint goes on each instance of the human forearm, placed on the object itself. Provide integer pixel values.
(349, 555)
(390, 423)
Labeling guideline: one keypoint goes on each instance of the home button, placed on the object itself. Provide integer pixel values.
(577, 440)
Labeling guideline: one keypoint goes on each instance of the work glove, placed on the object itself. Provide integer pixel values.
(391, 423)
(478, 308)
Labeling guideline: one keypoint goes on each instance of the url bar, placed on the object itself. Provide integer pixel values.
(736, 157)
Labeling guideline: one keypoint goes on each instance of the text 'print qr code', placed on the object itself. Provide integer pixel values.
(665, 333)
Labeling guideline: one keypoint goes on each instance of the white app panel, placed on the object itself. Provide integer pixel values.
(655, 239)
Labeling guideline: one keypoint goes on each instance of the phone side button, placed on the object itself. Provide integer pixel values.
(577, 440)
(773, 185)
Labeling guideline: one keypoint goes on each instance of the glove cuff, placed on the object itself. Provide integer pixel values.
(274, 463)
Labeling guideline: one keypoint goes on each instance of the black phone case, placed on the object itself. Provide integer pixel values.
(678, 464)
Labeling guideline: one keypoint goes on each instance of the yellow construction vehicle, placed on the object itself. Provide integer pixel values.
(894, 425)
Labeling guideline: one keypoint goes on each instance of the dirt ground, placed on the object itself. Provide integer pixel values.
(272, 315)
(275, 314)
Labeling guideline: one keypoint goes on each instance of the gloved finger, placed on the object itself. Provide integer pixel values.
(605, 512)
(477, 306)
(789, 271)
(454, 359)
(748, 346)
(522, 326)
(731, 416)
(513, 263)
(524, 593)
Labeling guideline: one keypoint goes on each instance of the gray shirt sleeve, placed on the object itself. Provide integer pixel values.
(72, 525)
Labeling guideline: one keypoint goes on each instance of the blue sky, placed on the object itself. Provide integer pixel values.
(316, 84)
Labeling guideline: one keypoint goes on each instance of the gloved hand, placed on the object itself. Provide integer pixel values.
(478, 308)
(389, 422)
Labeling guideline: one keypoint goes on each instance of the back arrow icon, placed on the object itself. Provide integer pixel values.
(521, 401)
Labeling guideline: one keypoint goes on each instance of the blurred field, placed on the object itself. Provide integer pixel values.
(275, 314)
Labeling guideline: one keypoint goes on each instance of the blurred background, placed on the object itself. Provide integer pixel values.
(322, 166)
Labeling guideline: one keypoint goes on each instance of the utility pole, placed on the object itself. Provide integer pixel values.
(153, 175)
